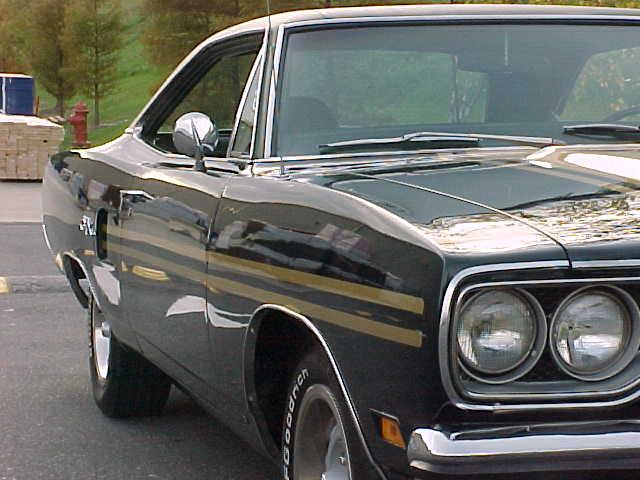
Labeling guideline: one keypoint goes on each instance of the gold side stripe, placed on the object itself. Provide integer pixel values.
(400, 301)
(387, 298)
(185, 250)
(4, 285)
(165, 265)
(335, 317)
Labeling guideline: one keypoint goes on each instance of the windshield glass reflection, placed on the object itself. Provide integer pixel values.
(386, 81)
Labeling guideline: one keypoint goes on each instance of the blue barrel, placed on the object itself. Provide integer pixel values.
(17, 94)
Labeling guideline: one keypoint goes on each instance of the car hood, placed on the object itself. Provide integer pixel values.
(584, 200)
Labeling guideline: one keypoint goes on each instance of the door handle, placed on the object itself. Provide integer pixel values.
(130, 197)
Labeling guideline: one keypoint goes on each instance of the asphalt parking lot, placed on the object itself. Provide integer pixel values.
(49, 426)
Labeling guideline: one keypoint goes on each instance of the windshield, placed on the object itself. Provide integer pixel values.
(352, 83)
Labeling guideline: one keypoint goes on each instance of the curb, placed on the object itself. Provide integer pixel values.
(34, 284)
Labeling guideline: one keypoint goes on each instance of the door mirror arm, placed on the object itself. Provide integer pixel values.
(198, 155)
(195, 136)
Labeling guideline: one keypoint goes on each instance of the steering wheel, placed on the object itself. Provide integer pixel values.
(627, 112)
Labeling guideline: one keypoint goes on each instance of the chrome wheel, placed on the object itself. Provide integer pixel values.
(320, 444)
(101, 342)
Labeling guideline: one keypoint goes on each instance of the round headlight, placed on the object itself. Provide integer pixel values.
(594, 333)
(498, 330)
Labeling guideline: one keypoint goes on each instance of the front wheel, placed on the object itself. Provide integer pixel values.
(124, 383)
(319, 440)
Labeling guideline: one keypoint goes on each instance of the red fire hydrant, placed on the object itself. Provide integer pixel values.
(79, 123)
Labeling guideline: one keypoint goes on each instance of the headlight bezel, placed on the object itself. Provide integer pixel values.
(534, 353)
(631, 346)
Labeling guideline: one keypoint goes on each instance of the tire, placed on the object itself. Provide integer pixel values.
(316, 414)
(124, 383)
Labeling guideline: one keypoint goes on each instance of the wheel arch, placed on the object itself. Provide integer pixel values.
(267, 320)
(75, 270)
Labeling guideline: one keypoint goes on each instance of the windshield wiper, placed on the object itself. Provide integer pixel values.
(612, 130)
(437, 140)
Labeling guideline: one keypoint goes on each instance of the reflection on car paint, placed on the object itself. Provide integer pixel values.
(108, 282)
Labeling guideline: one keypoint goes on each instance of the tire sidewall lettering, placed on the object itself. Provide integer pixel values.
(296, 393)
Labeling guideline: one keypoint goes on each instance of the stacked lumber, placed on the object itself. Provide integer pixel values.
(26, 144)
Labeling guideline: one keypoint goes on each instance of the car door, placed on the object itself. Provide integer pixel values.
(166, 219)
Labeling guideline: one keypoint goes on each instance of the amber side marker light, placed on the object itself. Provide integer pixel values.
(390, 431)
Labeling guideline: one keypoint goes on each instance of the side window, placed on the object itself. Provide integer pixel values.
(608, 84)
(245, 121)
(217, 94)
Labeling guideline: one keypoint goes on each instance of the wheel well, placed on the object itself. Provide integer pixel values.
(75, 273)
(281, 341)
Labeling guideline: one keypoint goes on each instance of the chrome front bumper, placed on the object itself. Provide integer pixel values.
(527, 448)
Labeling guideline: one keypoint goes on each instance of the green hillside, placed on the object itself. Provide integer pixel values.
(138, 79)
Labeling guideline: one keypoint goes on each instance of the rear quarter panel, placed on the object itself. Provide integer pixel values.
(78, 184)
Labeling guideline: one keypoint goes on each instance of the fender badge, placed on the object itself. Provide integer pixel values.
(87, 226)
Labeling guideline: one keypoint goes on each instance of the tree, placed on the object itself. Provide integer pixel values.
(46, 57)
(11, 36)
(92, 38)
(174, 27)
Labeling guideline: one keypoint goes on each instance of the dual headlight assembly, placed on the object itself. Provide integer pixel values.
(502, 333)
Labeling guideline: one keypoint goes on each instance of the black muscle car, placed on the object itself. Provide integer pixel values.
(387, 242)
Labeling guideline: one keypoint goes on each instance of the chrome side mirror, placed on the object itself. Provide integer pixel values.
(195, 135)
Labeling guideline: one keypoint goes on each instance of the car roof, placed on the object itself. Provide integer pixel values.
(447, 10)
(438, 10)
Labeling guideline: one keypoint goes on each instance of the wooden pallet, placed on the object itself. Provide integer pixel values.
(25, 146)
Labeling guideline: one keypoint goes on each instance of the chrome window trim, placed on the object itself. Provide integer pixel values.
(436, 20)
(630, 262)
(418, 155)
(258, 65)
(390, 153)
(444, 342)
(334, 365)
(472, 18)
(365, 160)
(273, 88)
